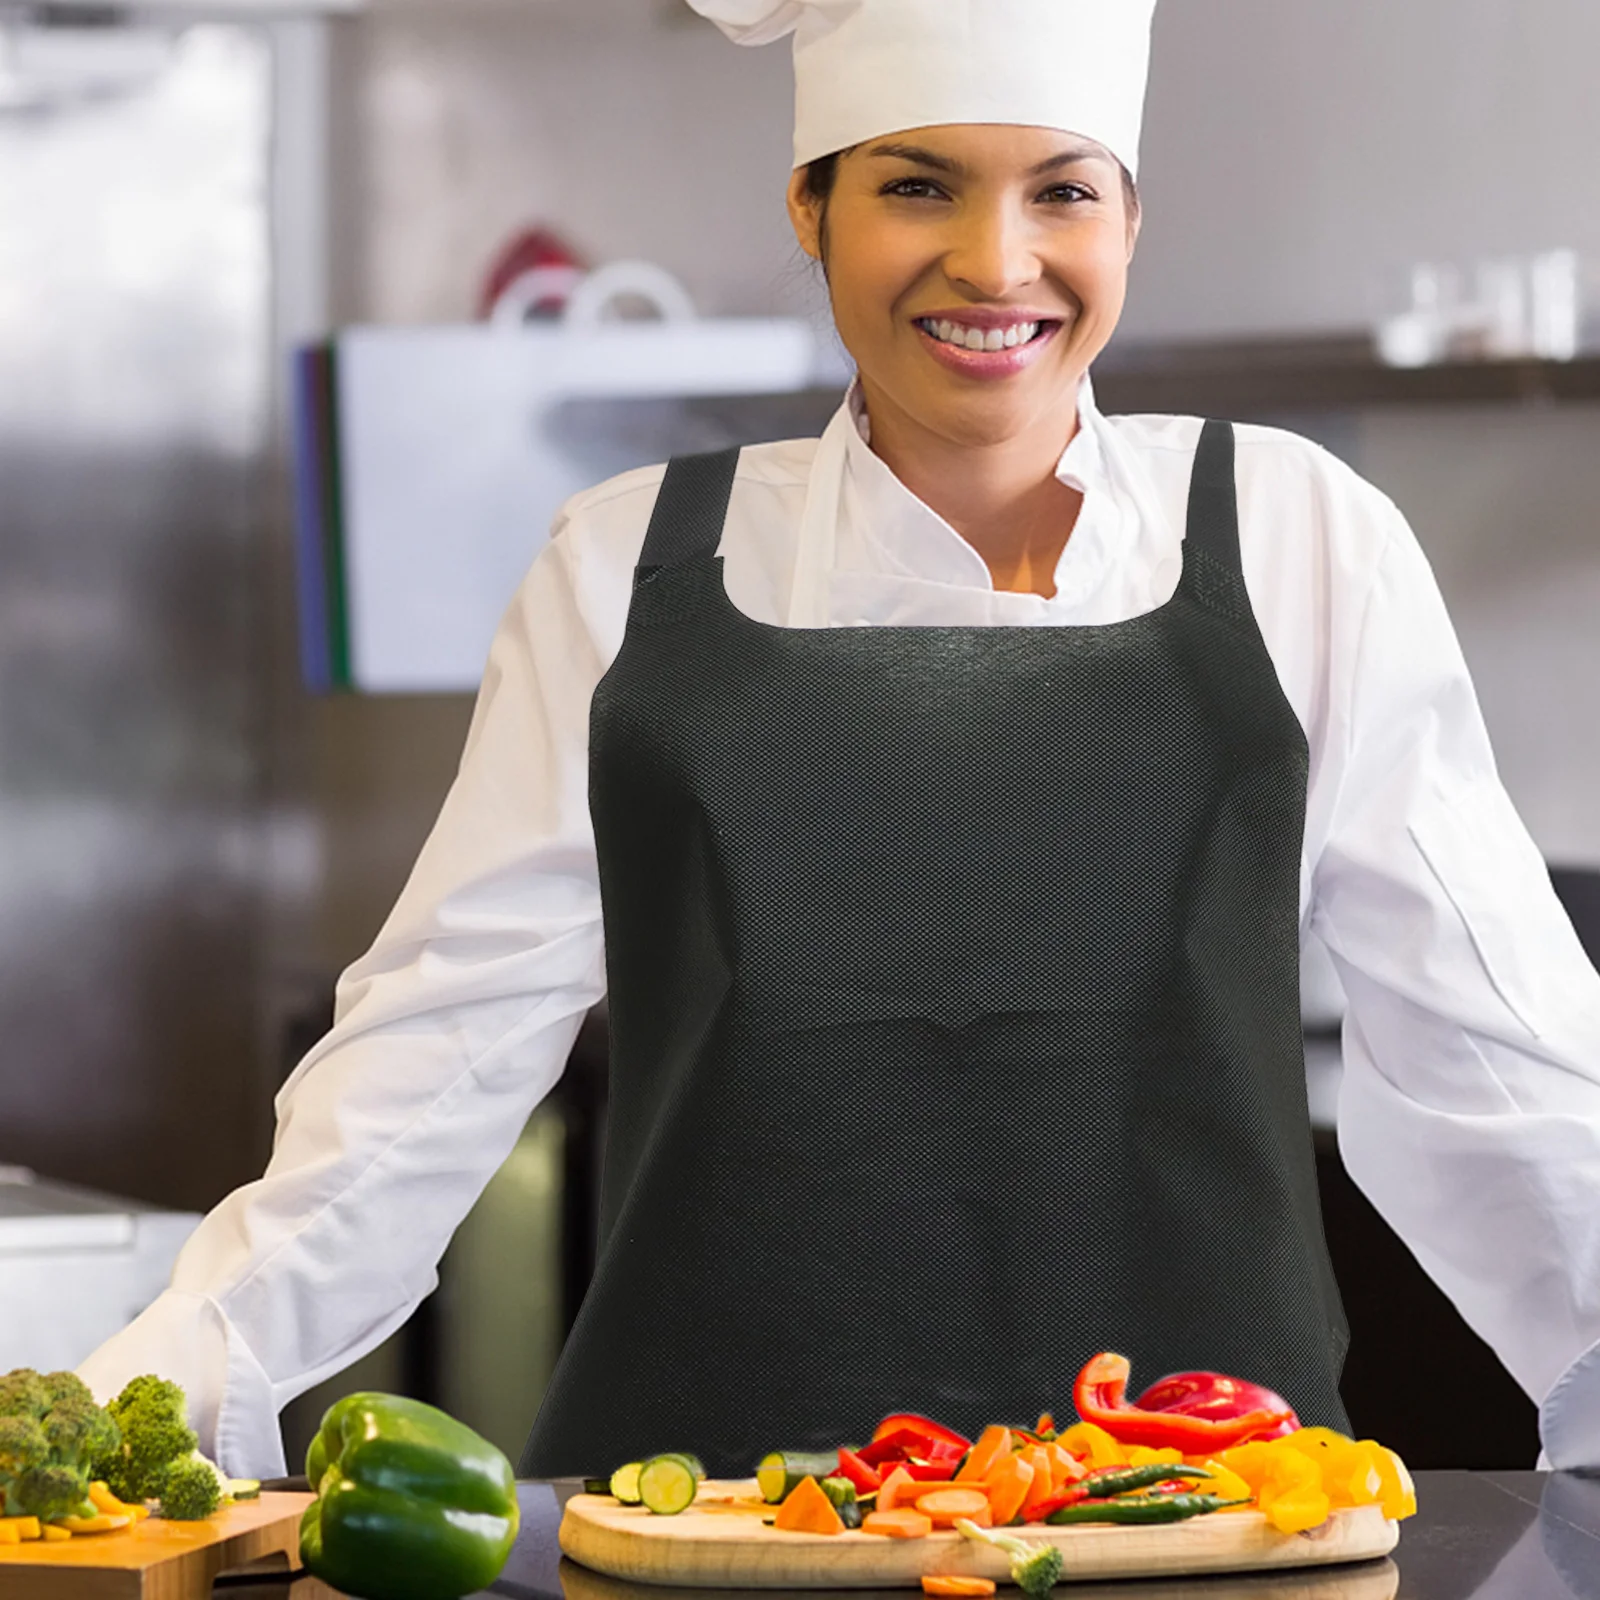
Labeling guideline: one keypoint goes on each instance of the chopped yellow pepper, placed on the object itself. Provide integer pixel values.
(55, 1535)
(9, 1531)
(1093, 1444)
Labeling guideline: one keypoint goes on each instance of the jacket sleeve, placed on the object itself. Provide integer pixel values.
(1469, 1112)
(448, 1032)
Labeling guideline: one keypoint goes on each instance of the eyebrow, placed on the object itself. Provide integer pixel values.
(927, 158)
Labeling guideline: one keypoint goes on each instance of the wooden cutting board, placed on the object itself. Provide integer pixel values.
(156, 1559)
(721, 1543)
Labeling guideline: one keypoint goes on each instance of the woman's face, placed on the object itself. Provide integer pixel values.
(937, 240)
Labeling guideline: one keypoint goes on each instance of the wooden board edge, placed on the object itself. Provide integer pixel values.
(1368, 1536)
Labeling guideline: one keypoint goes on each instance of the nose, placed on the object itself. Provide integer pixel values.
(991, 252)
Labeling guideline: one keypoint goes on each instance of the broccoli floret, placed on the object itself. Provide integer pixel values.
(50, 1430)
(154, 1434)
(48, 1493)
(1035, 1564)
(23, 1394)
(189, 1490)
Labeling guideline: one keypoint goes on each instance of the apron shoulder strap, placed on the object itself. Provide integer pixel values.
(690, 509)
(1213, 498)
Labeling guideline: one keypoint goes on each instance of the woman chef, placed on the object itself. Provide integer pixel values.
(956, 790)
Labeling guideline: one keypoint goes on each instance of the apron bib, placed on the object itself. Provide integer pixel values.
(953, 980)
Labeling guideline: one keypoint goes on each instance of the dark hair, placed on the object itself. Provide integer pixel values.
(823, 173)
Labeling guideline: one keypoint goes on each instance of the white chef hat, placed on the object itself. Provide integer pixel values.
(864, 68)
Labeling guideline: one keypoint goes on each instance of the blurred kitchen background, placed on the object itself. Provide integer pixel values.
(212, 780)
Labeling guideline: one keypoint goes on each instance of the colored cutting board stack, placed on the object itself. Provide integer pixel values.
(156, 1559)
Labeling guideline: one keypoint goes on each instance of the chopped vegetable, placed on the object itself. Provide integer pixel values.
(943, 1506)
(28, 1528)
(781, 1471)
(902, 1524)
(189, 1492)
(51, 1431)
(896, 1421)
(243, 1489)
(864, 1476)
(597, 1486)
(839, 1490)
(1125, 1480)
(1140, 1509)
(100, 1523)
(152, 1415)
(1100, 1393)
(1217, 1397)
(625, 1482)
(1085, 1442)
(956, 1584)
(993, 1444)
(667, 1484)
(1035, 1564)
(1009, 1482)
(55, 1535)
(806, 1509)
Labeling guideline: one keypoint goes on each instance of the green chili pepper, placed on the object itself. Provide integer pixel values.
(1124, 1480)
(1142, 1509)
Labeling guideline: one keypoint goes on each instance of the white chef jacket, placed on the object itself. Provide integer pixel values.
(1470, 1106)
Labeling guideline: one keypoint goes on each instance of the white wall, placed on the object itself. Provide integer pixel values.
(1297, 154)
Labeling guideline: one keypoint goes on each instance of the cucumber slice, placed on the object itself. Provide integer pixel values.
(244, 1488)
(625, 1483)
(667, 1484)
(597, 1486)
(851, 1513)
(781, 1470)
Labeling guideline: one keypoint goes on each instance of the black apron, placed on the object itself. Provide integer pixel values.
(955, 1014)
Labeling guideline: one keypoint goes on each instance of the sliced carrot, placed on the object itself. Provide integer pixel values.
(808, 1510)
(993, 1444)
(952, 1584)
(943, 1506)
(903, 1524)
(1043, 1485)
(901, 1489)
(1008, 1487)
(1065, 1468)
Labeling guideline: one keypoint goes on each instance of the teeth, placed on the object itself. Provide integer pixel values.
(979, 338)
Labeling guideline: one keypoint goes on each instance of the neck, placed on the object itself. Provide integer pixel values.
(1003, 498)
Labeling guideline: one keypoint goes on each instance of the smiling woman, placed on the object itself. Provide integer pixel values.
(940, 805)
(975, 272)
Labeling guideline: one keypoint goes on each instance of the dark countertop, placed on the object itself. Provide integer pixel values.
(1476, 1536)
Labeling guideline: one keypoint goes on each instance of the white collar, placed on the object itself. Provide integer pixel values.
(898, 533)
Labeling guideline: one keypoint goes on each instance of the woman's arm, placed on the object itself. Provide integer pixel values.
(1470, 1107)
(448, 1033)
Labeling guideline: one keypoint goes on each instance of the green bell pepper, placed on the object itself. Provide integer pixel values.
(411, 1504)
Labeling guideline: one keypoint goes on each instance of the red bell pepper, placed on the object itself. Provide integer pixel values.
(1101, 1396)
(896, 1446)
(1217, 1397)
(865, 1476)
(926, 1426)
